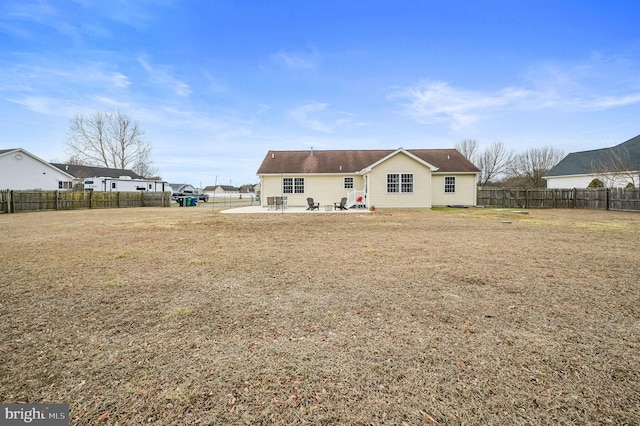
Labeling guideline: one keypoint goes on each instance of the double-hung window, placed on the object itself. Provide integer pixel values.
(399, 182)
(449, 184)
(293, 185)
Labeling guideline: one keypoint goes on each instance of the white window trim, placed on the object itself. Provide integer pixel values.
(400, 183)
(450, 184)
(297, 185)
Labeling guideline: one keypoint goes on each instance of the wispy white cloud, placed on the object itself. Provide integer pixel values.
(437, 101)
(77, 19)
(317, 116)
(162, 75)
(597, 83)
(296, 60)
(26, 19)
(617, 101)
(592, 85)
(47, 78)
(36, 11)
(47, 105)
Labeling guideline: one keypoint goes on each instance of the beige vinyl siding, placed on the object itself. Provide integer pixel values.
(465, 192)
(325, 189)
(400, 163)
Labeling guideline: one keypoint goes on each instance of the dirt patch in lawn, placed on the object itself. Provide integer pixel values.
(183, 316)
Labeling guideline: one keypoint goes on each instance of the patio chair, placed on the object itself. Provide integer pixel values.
(281, 203)
(312, 205)
(271, 203)
(342, 205)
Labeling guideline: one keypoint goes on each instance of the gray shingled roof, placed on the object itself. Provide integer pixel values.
(82, 172)
(352, 161)
(587, 162)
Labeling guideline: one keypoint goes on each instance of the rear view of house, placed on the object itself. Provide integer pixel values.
(414, 178)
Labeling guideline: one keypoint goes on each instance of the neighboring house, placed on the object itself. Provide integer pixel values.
(80, 173)
(615, 167)
(220, 190)
(182, 187)
(401, 178)
(21, 170)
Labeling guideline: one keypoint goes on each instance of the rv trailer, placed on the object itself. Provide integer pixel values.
(125, 184)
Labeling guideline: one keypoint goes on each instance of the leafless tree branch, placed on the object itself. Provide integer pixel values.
(109, 139)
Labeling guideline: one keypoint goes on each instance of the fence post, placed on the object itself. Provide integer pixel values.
(607, 197)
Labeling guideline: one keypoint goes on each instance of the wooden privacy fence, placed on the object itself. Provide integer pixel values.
(29, 201)
(624, 199)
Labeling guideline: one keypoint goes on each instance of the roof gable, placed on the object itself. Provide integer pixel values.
(4, 152)
(181, 187)
(597, 160)
(226, 188)
(408, 154)
(355, 161)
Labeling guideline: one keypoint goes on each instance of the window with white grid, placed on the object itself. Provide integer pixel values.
(399, 182)
(293, 185)
(450, 184)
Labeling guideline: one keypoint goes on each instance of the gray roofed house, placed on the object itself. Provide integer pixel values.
(182, 187)
(83, 172)
(220, 189)
(401, 178)
(617, 166)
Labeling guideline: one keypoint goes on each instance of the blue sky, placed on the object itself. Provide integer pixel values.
(216, 84)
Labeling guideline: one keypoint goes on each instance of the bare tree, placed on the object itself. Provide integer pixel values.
(615, 168)
(469, 148)
(493, 162)
(109, 139)
(531, 165)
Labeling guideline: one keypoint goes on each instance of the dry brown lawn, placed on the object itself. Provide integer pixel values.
(188, 316)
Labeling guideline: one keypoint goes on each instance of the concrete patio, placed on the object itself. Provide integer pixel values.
(290, 210)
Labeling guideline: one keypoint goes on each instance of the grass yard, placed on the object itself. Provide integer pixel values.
(184, 316)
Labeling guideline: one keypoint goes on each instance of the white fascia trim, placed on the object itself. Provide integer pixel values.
(396, 152)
